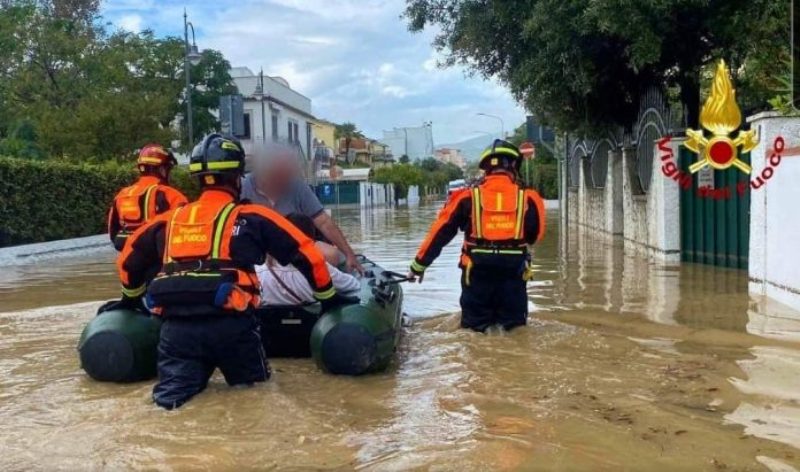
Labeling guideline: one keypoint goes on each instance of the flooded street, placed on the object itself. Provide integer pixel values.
(625, 366)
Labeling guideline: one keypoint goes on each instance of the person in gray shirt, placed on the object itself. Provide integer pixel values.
(276, 183)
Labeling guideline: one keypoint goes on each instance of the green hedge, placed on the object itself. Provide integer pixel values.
(46, 200)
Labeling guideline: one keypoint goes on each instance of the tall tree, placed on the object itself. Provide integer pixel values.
(210, 80)
(347, 131)
(583, 65)
(89, 93)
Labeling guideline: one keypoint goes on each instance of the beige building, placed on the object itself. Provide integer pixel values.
(324, 133)
(451, 156)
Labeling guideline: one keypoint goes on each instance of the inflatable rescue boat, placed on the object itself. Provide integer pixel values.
(121, 345)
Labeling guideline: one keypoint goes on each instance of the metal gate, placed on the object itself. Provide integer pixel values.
(715, 221)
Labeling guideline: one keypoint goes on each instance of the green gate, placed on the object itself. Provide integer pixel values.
(715, 225)
(339, 193)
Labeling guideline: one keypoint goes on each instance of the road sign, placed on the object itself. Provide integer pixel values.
(527, 149)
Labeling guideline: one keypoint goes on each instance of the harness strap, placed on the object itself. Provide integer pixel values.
(146, 210)
(220, 227)
(520, 214)
(476, 210)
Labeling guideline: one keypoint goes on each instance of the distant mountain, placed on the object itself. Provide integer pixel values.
(470, 148)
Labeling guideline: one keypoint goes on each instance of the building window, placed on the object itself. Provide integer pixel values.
(293, 131)
(274, 126)
(247, 126)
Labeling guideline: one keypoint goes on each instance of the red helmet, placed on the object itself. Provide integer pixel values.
(155, 155)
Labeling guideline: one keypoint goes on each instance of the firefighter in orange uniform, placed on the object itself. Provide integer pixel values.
(151, 195)
(206, 288)
(499, 219)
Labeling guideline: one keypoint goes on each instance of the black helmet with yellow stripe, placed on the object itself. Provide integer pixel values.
(501, 155)
(217, 158)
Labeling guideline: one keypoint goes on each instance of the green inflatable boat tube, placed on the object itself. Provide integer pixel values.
(359, 339)
(348, 340)
(120, 346)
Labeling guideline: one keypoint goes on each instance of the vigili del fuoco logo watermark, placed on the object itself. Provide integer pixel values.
(715, 147)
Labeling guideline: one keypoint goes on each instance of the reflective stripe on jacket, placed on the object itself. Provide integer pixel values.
(498, 219)
(137, 204)
(205, 252)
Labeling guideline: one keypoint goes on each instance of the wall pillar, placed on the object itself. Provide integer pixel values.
(613, 195)
(774, 224)
(633, 229)
(664, 199)
(652, 221)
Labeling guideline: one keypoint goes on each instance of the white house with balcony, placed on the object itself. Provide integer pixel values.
(273, 112)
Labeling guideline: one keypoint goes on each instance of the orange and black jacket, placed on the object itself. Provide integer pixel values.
(497, 230)
(201, 257)
(139, 203)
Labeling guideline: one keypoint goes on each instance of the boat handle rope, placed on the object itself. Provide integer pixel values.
(393, 278)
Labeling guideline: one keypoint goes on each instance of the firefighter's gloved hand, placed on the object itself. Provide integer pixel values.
(528, 274)
(338, 300)
(415, 275)
(416, 272)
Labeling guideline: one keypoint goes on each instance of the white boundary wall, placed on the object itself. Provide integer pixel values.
(774, 265)
(649, 224)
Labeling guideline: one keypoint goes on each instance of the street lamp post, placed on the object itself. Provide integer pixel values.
(191, 56)
(502, 124)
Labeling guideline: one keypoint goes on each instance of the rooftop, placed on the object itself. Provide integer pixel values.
(275, 88)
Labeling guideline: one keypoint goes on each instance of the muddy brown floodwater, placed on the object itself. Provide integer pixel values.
(625, 366)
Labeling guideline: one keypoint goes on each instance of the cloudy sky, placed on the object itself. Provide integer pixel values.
(355, 59)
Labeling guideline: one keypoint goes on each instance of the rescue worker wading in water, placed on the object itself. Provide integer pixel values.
(499, 219)
(150, 196)
(206, 288)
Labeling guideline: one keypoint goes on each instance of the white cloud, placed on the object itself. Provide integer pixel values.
(355, 59)
(395, 91)
(132, 23)
(386, 69)
(299, 80)
(314, 40)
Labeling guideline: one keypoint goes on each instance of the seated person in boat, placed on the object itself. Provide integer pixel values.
(276, 182)
(286, 285)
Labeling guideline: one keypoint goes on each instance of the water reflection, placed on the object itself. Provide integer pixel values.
(772, 387)
(626, 365)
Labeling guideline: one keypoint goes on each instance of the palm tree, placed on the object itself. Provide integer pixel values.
(348, 131)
